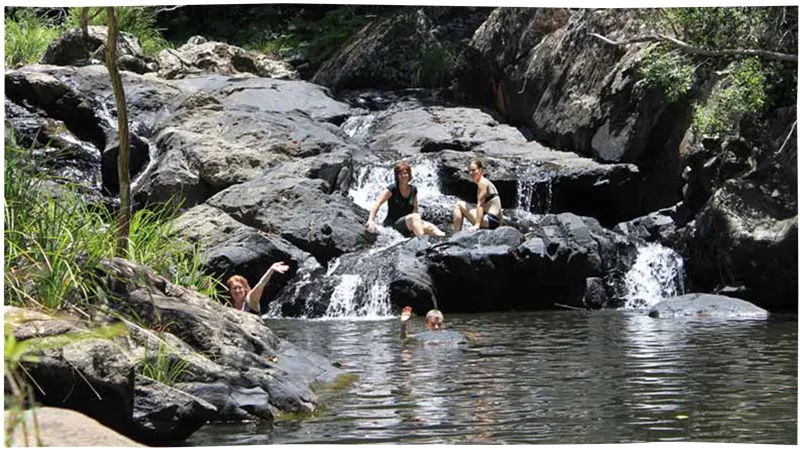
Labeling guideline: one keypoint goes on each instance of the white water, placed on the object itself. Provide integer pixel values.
(657, 274)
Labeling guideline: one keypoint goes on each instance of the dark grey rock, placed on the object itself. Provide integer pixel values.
(165, 414)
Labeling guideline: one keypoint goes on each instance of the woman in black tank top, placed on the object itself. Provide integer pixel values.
(403, 214)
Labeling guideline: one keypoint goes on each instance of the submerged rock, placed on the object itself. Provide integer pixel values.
(699, 306)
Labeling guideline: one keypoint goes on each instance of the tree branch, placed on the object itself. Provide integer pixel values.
(657, 37)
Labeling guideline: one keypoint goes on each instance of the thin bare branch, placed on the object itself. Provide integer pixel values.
(168, 8)
(657, 37)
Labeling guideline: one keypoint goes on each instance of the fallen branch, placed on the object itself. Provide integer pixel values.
(786, 141)
(657, 37)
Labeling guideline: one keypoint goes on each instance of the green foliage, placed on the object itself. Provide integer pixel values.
(670, 71)
(162, 365)
(55, 241)
(436, 66)
(742, 92)
(745, 85)
(139, 21)
(27, 37)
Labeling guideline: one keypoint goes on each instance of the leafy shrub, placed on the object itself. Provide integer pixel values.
(742, 92)
(668, 70)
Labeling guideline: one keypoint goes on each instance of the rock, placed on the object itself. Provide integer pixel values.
(659, 226)
(60, 427)
(595, 296)
(577, 93)
(546, 181)
(165, 414)
(200, 56)
(71, 49)
(232, 402)
(386, 54)
(702, 306)
(745, 237)
(299, 210)
(243, 352)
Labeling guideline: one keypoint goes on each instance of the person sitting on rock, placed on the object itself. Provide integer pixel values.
(434, 333)
(403, 214)
(246, 299)
(489, 211)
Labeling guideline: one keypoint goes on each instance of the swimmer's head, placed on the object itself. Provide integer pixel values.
(434, 320)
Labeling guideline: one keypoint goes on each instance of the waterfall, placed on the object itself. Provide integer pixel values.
(534, 190)
(657, 274)
(356, 285)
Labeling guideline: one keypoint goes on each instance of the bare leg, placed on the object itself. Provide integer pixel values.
(414, 223)
(431, 229)
(460, 212)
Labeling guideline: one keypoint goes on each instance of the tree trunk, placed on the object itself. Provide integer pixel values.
(85, 23)
(123, 159)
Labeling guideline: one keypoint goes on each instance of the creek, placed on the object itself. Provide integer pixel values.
(538, 377)
(549, 377)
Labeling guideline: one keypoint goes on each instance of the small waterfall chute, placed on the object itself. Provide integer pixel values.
(657, 274)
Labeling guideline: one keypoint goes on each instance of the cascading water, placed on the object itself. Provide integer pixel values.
(356, 285)
(657, 274)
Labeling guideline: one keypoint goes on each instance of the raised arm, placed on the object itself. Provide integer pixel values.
(382, 198)
(254, 296)
(404, 316)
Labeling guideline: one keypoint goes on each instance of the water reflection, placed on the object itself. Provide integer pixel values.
(549, 377)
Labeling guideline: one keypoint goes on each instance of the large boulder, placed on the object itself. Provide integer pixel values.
(301, 210)
(201, 56)
(577, 93)
(707, 306)
(747, 239)
(385, 53)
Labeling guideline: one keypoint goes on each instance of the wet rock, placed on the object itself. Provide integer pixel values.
(232, 402)
(165, 414)
(540, 180)
(702, 306)
(230, 247)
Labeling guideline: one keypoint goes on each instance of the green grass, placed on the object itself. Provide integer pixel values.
(162, 365)
(54, 243)
(139, 21)
(27, 38)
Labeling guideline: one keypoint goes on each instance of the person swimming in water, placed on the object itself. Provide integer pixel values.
(434, 333)
(488, 213)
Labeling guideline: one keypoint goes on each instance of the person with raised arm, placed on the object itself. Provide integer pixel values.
(246, 299)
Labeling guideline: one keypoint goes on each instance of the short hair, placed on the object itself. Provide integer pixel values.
(238, 278)
(399, 167)
(434, 314)
(478, 163)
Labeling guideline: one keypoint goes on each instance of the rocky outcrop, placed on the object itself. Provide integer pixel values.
(201, 56)
(706, 306)
(563, 259)
(576, 93)
(385, 54)
(160, 379)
